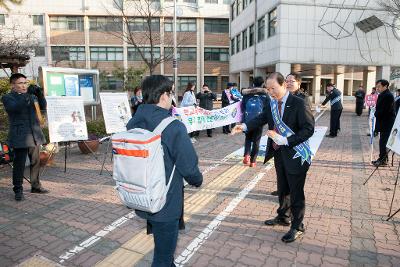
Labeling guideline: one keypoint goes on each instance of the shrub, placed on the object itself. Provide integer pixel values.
(97, 128)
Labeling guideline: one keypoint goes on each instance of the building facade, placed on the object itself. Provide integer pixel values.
(349, 42)
(87, 34)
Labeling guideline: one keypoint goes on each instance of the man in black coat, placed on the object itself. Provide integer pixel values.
(206, 98)
(385, 117)
(291, 171)
(25, 135)
(360, 97)
(335, 97)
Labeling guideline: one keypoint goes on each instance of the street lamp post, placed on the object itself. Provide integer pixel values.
(174, 61)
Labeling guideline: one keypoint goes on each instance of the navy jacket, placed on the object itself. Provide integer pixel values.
(331, 96)
(385, 112)
(178, 150)
(24, 128)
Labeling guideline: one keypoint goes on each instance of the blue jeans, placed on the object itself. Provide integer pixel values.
(165, 239)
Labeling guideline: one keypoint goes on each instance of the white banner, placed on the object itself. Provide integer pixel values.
(394, 139)
(116, 111)
(315, 142)
(197, 119)
(66, 118)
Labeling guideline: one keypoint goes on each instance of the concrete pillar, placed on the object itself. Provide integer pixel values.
(349, 90)
(383, 72)
(86, 28)
(369, 79)
(316, 86)
(260, 72)
(233, 77)
(48, 43)
(200, 52)
(244, 79)
(284, 68)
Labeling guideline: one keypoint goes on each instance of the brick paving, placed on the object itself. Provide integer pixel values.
(345, 220)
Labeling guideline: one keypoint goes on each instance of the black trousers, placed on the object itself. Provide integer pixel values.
(165, 236)
(19, 167)
(252, 144)
(335, 121)
(226, 129)
(359, 108)
(290, 193)
(383, 139)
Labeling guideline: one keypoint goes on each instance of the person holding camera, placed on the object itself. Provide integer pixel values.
(206, 98)
(25, 133)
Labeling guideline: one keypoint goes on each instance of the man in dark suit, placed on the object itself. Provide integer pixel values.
(385, 117)
(291, 170)
(335, 97)
(25, 135)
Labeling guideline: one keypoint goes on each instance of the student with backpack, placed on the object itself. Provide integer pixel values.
(138, 169)
(254, 100)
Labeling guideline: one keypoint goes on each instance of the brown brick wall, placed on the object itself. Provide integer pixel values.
(106, 65)
(216, 39)
(102, 38)
(216, 68)
(142, 38)
(184, 67)
(183, 38)
(140, 64)
(70, 64)
(67, 38)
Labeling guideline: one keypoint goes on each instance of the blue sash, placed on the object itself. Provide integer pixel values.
(335, 100)
(303, 150)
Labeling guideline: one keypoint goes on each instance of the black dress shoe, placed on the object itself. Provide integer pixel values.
(380, 162)
(39, 191)
(19, 196)
(292, 235)
(330, 136)
(274, 193)
(277, 221)
(209, 135)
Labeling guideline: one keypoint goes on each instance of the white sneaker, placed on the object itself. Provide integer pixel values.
(193, 140)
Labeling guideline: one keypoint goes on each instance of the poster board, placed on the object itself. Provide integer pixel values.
(116, 111)
(394, 138)
(71, 82)
(66, 118)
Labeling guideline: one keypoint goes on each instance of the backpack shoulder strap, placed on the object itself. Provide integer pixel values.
(163, 124)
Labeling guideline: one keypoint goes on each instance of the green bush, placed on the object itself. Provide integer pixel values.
(4, 86)
(96, 127)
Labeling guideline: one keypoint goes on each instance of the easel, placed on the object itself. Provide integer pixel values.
(109, 141)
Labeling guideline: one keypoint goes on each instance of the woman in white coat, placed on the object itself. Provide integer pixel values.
(189, 99)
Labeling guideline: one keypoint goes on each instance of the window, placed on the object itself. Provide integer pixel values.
(272, 22)
(106, 53)
(227, 2)
(244, 39)
(238, 43)
(233, 10)
(2, 19)
(183, 81)
(261, 29)
(190, 1)
(232, 46)
(183, 53)
(212, 1)
(216, 25)
(37, 19)
(111, 83)
(66, 23)
(182, 25)
(141, 24)
(251, 35)
(108, 24)
(224, 82)
(216, 54)
(212, 82)
(245, 3)
(238, 4)
(39, 51)
(134, 55)
(70, 53)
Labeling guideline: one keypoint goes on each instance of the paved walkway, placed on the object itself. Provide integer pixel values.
(82, 223)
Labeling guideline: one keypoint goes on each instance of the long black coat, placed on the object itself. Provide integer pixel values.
(332, 95)
(385, 113)
(297, 115)
(24, 128)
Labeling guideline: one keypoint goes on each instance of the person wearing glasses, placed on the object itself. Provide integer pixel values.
(25, 133)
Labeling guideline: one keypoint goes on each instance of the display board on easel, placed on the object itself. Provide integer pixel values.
(71, 82)
(116, 111)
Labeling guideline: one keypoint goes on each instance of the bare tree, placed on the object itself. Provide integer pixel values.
(16, 47)
(392, 7)
(145, 37)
